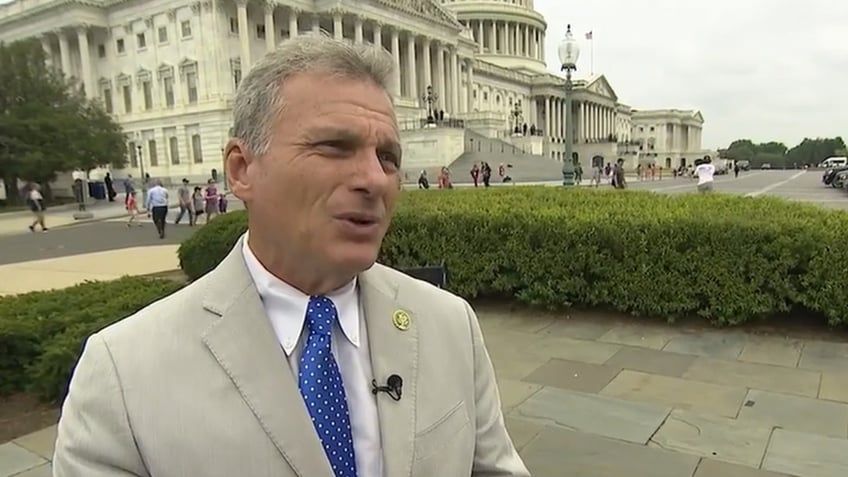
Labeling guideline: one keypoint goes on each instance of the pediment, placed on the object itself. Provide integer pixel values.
(698, 116)
(599, 85)
(428, 9)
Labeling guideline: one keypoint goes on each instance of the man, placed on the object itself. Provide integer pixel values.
(297, 355)
(157, 206)
(184, 193)
(618, 180)
(705, 172)
(128, 188)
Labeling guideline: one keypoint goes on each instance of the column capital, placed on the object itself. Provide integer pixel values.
(427, 41)
(241, 3)
(195, 7)
(270, 7)
(81, 29)
(337, 12)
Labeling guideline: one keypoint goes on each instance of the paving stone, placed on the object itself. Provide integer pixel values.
(651, 361)
(15, 459)
(45, 470)
(521, 431)
(834, 386)
(825, 356)
(772, 350)
(515, 392)
(802, 382)
(600, 415)
(717, 344)
(41, 442)
(642, 336)
(574, 375)
(796, 413)
(593, 352)
(579, 328)
(715, 468)
(559, 452)
(806, 455)
(718, 437)
(682, 393)
(508, 355)
(523, 322)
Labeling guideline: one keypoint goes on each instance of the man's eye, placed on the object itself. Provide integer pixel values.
(388, 157)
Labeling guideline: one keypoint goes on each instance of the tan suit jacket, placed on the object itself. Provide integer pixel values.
(197, 385)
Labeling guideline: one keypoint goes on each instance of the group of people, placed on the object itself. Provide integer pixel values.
(208, 201)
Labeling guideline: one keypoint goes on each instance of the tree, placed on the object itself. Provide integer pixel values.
(814, 151)
(47, 126)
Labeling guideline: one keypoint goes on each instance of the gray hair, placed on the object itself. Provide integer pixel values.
(259, 102)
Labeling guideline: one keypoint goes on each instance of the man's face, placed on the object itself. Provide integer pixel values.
(326, 189)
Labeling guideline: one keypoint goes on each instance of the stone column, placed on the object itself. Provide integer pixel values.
(316, 23)
(542, 45)
(85, 61)
(469, 81)
(548, 129)
(48, 50)
(293, 28)
(411, 76)
(396, 56)
(378, 35)
(454, 81)
(270, 29)
(357, 30)
(244, 35)
(441, 76)
(338, 33)
(64, 53)
(427, 74)
(480, 35)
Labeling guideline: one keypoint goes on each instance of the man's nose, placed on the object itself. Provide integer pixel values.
(369, 171)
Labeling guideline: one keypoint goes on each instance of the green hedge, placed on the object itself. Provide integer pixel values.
(42, 333)
(728, 259)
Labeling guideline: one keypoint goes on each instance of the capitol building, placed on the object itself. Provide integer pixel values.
(471, 80)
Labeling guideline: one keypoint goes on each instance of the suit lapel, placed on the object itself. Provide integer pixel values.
(393, 351)
(244, 344)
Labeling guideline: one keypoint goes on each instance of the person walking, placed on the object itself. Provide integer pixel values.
(186, 205)
(157, 206)
(132, 208)
(36, 204)
(706, 173)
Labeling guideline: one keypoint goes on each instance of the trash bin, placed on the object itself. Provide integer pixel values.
(97, 190)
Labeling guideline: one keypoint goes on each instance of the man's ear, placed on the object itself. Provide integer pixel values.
(237, 159)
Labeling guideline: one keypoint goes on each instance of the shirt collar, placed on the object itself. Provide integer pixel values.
(286, 305)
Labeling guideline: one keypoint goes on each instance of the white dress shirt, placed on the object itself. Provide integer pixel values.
(286, 308)
(157, 196)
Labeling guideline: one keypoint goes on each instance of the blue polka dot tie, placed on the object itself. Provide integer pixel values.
(320, 384)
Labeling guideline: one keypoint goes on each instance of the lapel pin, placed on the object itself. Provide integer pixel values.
(401, 320)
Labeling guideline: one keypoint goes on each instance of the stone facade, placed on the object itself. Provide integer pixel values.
(168, 71)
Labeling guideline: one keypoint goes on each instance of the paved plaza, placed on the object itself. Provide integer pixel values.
(584, 394)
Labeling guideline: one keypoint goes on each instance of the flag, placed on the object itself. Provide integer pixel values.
(589, 35)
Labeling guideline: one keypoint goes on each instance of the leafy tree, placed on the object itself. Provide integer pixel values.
(47, 126)
(809, 151)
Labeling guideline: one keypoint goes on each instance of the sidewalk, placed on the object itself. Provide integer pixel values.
(68, 271)
(63, 215)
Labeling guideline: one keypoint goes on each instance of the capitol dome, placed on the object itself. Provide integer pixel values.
(508, 33)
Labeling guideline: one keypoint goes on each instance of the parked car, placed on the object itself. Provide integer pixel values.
(744, 165)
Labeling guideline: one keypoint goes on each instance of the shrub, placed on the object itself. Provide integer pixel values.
(209, 245)
(728, 259)
(42, 333)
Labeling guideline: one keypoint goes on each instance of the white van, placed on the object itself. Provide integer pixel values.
(834, 161)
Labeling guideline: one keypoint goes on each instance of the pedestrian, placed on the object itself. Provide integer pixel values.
(198, 203)
(211, 197)
(36, 204)
(222, 203)
(184, 196)
(157, 206)
(132, 208)
(706, 173)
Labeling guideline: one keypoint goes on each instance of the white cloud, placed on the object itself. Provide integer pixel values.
(759, 69)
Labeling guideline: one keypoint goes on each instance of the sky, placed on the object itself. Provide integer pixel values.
(756, 69)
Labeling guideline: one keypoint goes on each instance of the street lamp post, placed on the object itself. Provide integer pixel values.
(516, 117)
(224, 169)
(143, 177)
(430, 97)
(568, 52)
